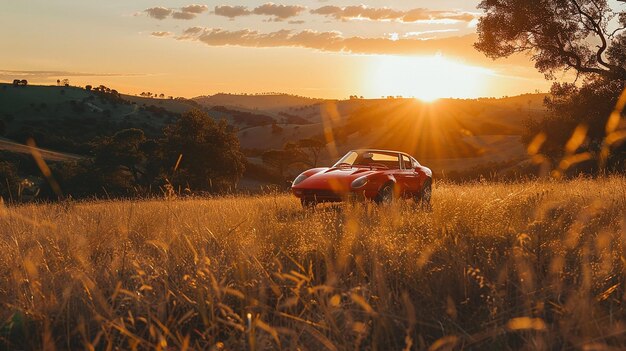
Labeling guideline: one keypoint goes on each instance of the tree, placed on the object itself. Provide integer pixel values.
(23, 82)
(570, 106)
(559, 34)
(58, 82)
(312, 146)
(586, 36)
(65, 82)
(211, 158)
(280, 160)
(122, 150)
(88, 87)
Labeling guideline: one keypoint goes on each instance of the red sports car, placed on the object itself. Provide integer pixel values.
(378, 175)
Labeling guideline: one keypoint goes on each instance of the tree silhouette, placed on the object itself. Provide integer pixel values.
(280, 160)
(586, 36)
(313, 147)
(121, 150)
(559, 34)
(211, 158)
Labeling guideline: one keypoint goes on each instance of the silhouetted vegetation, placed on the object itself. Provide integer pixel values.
(586, 36)
(203, 154)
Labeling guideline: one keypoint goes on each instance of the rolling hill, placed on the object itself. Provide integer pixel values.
(448, 134)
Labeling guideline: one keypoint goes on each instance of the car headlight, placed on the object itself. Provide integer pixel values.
(299, 179)
(359, 182)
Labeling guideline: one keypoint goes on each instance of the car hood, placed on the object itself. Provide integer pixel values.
(335, 178)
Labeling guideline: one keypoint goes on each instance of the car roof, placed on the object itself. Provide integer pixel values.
(380, 150)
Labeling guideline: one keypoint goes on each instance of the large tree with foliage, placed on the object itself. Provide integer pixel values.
(583, 36)
(122, 150)
(204, 153)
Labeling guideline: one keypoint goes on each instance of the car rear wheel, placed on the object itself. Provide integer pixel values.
(386, 194)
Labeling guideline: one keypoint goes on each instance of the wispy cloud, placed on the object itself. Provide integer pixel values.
(388, 14)
(44, 75)
(332, 41)
(197, 9)
(161, 34)
(278, 12)
(159, 13)
(184, 13)
(231, 11)
(434, 31)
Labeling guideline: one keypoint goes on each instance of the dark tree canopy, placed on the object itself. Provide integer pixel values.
(211, 158)
(584, 35)
(570, 106)
(280, 160)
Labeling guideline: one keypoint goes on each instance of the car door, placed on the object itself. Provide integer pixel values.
(407, 176)
(411, 178)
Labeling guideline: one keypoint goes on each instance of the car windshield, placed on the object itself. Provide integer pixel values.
(370, 159)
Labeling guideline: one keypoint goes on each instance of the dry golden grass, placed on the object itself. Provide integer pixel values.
(537, 265)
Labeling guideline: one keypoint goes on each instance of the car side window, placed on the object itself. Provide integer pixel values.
(406, 162)
(415, 163)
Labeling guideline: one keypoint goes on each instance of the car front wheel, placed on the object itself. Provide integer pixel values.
(385, 195)
(308, 203)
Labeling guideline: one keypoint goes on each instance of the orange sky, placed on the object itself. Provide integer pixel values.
(329, 49)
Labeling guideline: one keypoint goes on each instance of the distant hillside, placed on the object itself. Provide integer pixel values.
(266, 102)
(75, 112)
(449, 134)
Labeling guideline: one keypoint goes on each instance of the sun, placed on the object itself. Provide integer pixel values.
(425, 78)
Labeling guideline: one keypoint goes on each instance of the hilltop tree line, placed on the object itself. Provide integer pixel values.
(195, 153)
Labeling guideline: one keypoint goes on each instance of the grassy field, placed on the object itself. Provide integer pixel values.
(535, 265)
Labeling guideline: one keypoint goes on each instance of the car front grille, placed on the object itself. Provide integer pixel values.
(321, 194)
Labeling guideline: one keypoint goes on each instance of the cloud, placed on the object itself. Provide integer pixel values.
(192, 30)
(435, 31)
(8, 75)
(197, 9)
(159, 13)
(296, 22)
(279, 11)
(333, 41)
(231, 11)
(387, 14)
(185, 13)
(161, 34)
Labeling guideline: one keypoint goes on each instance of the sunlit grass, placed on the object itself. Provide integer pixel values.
(494, 265)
